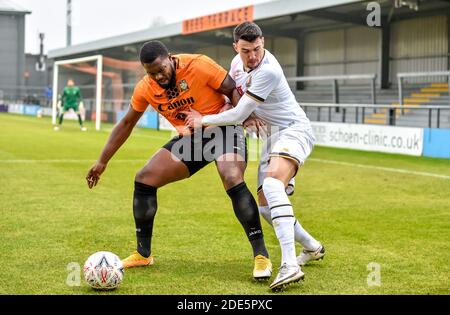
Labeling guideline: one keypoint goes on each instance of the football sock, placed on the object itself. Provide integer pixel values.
(282, 216)
(246, 210)
(264, 211)
(300, 234)
(144, 211)
(61, 117)
(80, 120)
(303, 237)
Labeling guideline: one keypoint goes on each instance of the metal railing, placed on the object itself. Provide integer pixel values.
(401, 76)
(357, 113)
(335, 85)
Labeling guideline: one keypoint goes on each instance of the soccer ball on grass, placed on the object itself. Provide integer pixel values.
(103, 271)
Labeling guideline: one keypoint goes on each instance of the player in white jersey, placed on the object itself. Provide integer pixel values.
(266, 95)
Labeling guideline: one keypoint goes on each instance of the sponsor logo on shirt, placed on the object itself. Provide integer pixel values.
(175, 105)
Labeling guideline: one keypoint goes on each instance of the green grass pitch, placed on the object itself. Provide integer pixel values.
(363, 215)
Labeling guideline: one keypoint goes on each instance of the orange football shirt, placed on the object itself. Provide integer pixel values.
(197, 79)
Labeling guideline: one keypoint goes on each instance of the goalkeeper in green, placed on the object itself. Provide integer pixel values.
(71, 99)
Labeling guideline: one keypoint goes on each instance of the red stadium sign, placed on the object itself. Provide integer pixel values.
(218, 20)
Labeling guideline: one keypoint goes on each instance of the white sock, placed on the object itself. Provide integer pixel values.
(282, 217)
(300, 234)
(285, 234)
(290, 187)
(304, 238)
(264, 211)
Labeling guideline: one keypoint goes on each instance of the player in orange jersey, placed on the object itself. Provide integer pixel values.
(176, 83)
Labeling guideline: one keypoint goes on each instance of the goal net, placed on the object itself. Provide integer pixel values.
(86, 74)
(106, 85)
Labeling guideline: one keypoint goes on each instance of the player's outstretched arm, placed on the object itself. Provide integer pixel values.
(228, 88)
(233, 116)
(118, 136)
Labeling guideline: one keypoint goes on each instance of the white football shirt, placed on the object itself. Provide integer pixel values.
(267, 85)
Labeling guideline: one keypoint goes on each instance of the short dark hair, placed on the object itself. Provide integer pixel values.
(152, 50)
(247, 31)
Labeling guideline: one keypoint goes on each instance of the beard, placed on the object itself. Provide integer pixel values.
(172, 81)
(171, 84)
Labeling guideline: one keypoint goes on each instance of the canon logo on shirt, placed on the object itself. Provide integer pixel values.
(176, 104)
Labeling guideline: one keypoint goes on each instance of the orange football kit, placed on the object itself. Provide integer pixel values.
(197, 79)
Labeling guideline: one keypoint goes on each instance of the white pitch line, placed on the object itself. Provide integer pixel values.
(386, 169)
(65, 161)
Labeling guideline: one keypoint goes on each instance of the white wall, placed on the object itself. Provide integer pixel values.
(353, 50)
(419, 45)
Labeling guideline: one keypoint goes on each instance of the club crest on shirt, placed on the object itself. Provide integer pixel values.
(183, 85)
(249, 82)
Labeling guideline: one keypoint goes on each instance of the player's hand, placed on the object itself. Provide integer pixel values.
(254, 124)
(193, 119)
(93, 176)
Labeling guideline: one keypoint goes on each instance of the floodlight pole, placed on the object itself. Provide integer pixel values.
(69, 23)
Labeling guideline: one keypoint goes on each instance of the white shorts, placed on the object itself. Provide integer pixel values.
(295, 143)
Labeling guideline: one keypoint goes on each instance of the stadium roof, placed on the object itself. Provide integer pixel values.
(282, 18)
(11, 7)
(261, 11)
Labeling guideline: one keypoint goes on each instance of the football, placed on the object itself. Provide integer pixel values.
(103, 271)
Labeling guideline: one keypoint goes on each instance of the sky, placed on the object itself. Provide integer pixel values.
(96, 19)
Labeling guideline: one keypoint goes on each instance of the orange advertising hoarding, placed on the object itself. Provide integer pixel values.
(218, 20)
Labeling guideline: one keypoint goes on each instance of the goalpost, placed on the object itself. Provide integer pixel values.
(98, 94)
